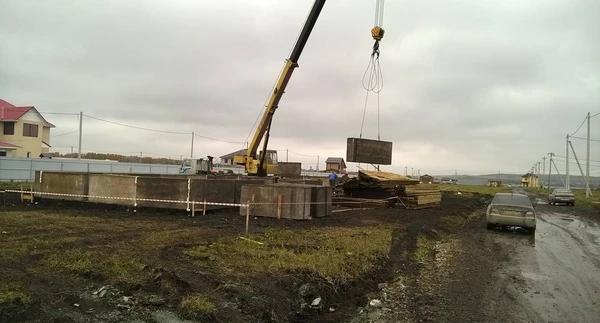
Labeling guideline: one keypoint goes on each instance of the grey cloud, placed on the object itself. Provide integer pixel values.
(474, 82)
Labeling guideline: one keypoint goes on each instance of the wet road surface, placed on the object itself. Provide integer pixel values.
(481, 275)
(553, 276)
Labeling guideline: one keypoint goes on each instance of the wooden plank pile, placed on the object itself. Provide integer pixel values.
(420, 196)
(378, 189)
(362, 202)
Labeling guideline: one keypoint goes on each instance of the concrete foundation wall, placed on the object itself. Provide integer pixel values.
(296, 200)
(219, 190)
(370, 151)
(112, 185)
(163, 189)
(67, 183)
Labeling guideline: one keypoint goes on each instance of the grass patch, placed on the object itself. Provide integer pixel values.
(425, 248)
(580, 199)
(112, 267)
(14, 185)
(454, 222)
(338, 254)
(489, 190)
(13, 293)
(198, 306)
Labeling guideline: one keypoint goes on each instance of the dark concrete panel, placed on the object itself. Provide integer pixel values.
(295, 201)
(359, 150)
(113, 186)
(163, 189)
(289, 169)
(64, 183)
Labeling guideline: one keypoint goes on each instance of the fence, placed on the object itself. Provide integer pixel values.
(23, 169)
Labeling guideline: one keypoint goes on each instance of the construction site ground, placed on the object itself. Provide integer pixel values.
(73, 262)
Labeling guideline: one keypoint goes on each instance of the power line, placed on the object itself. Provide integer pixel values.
(583, 138)
(227, 141)
(136, 127)
(302, 154)
(161, 131)
(581, 125)
(61, 113)
(595, 115)
(64, 134)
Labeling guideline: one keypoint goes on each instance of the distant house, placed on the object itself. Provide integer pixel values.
(23, 131)
(529, 180)
(495, 183)
(227, 160)
(335, 164)
(427, 179)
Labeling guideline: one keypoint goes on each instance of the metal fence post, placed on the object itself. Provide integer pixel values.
(31, 170)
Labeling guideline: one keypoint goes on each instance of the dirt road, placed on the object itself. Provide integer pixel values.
(503, 275)
(554, 277)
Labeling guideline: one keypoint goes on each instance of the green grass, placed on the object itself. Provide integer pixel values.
(338, 254)
(425, 248)
(11, 292)
(489, 190)
(14, 185)
(198, 306)
(580, 199)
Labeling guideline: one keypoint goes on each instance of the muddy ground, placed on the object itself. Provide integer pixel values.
(69, 262)
(83, 263)
(476, 275)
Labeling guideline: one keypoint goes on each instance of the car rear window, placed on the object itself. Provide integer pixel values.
(519, 200)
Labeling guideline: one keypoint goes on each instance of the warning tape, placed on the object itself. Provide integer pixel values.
(125, 198)
(137, 199)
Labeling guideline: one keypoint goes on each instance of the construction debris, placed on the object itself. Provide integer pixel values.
(420, 196)
(385, 189)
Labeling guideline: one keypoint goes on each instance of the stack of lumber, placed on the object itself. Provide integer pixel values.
(362, 203)
(420, 196)
(379, 180)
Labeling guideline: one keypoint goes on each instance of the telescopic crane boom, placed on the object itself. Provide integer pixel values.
(255, 166)
(266, 163)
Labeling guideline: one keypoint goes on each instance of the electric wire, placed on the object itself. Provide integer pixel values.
(581, 125)
(584, 138)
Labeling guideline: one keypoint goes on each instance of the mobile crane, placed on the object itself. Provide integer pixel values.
(266, 162)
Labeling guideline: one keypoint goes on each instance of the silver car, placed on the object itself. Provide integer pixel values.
(511, 210)
(561, 195)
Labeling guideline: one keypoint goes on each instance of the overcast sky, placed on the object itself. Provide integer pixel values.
(476, 86)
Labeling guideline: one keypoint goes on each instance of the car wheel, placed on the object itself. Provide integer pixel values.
(573, 204)
(531, 230)
(490, 226)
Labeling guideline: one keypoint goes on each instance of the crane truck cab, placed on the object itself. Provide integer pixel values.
(197, 166)
(270, 166)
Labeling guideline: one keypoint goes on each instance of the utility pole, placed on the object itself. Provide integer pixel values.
(550, 170)
(568, 181)
(412, 172)
(287, 155)
(544, 171)
(71, 151)
(579, 165)
(192, 149)
(80, 127)
(317, 163)
(141, 157)
(405, 170)
(587, 163)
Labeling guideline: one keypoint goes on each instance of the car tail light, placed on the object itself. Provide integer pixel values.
(530, 214)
